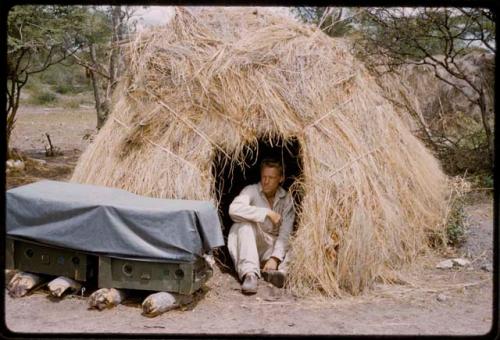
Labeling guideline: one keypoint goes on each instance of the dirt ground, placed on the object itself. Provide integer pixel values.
(433, 301)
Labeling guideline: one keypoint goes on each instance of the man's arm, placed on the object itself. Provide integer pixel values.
(240, 209)
(281, 244)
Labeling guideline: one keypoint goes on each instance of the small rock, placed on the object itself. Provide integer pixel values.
(446, 264)
(39, 161)
(15, 164)
(19, 164)
(461, 262)
(487, 267)
(291, 324)
(441, 297)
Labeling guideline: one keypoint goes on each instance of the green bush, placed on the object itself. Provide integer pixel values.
(67, 88)
(57, 74)
(43, 97)
(456, 223)
(33, 83)
(72, 103)
(65, 79)
(487, 181)
(455, 229)
(469, 155)
(63, 88)
(481, 181)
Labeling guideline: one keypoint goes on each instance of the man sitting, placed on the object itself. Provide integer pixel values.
(264, 216)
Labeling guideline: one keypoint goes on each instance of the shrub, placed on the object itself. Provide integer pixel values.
(68, 88)
(63, 88)
(43, 97)
(456, 222)
(72, 103)
(33, 83)
(487, 181)
(57, 74)
(455, 229)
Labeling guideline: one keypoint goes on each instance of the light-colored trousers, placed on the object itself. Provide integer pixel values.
(249, 246)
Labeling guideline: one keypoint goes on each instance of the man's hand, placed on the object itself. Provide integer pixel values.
(274, 217)
(271, 264)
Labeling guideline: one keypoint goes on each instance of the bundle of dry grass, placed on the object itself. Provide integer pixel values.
(218, 82)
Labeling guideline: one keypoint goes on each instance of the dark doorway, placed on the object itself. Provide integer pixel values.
(229, 181)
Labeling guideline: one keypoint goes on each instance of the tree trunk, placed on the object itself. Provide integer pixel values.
(487, 128)
(97, 98)
(113, 57)
(101, 114)
(12, 106)
(103, 101)
(116, 21)
(8, 129)
(104, 85)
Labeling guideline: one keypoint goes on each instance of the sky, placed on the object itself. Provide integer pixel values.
(153, 15)
(159, 15)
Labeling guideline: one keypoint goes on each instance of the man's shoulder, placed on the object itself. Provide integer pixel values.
(251, 188)
(254, 185)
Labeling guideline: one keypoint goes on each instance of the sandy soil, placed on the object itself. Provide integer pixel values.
(70, 132)
(465, 294)
(66, 128)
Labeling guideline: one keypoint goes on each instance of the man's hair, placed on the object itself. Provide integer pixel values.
(271, 163)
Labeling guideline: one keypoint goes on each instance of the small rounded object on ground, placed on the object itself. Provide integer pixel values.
(441, 297)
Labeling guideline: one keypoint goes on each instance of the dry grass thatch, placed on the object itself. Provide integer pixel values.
(216, 83)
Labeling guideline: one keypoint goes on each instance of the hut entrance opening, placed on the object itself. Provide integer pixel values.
(230, 180)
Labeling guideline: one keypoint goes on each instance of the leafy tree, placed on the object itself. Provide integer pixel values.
(42, 36)
(38, 37)
(334, 21)
(103, 31)
(456, 46)
(442, 40)
(411, 35)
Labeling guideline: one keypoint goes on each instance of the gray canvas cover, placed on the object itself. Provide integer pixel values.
(112, 222)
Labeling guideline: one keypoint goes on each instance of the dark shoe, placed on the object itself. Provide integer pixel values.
(249, 285)
(275, 277)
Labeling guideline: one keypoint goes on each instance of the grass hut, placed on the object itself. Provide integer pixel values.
(207, 96)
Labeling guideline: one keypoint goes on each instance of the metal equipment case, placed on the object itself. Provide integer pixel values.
(121, 239)
(110, 272)
(176, 277)
(41, 259)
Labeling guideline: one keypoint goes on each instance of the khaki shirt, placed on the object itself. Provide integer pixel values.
(252, 205)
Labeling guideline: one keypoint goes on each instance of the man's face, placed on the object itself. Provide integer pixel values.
(270, 179)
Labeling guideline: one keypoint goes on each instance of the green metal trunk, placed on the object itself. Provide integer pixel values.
(175, 277)
(36, 258)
